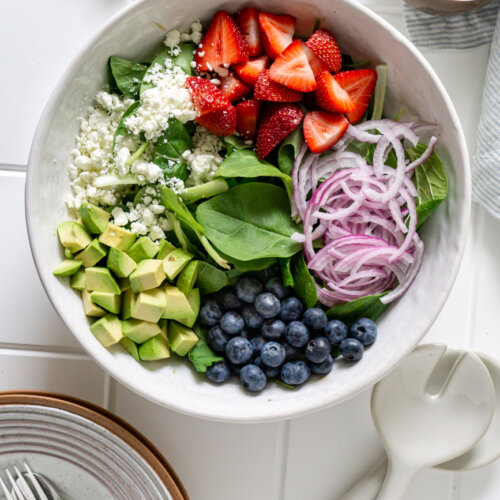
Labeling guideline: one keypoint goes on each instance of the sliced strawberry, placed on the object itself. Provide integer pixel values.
(222, 45)
(292, 68)
(322, 130)
(276, 122)
(205, 95)
(276, 32)
(249, 71)
(267, 90)
(309, 102)
(247, 114)
(233, 88)
(248, 21)
(221, 122)
(317, 65)
(359, 84)
(325, 47)
(330, 96)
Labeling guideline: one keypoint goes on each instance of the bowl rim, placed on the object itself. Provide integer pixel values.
(212, 413)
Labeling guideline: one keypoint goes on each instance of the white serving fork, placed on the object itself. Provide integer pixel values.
(21, 490)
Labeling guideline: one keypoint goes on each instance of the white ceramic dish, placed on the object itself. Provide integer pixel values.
(413, 86)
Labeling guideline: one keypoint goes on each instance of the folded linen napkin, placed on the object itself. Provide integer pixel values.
(466, 31)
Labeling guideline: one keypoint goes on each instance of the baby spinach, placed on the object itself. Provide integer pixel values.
(173, 169)
(171, 202)
(122, 129)
(250, 221)
(233, 142)
(289, 150)
(286, 273)
(207, 190)
(126, 75)
(210, 279)
(303, 282)
(250, 265)
(201, 356)
(365, 307)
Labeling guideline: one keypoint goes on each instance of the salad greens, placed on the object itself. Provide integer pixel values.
(122, 130)
(289, 150)
(366, 307)
(201, 356)
(125, 76)
(303, 282)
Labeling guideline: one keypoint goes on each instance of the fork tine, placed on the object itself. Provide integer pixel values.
(28, 493)
(14, 485)
(35, 483)
(6, 492)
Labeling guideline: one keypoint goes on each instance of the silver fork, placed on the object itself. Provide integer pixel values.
(21, 490)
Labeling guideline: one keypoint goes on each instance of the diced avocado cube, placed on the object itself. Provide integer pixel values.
(67, 254)
(128, 303)
(90, 308)
(67, 268)
(139, 331)
(73, 236)
(148, 274)
(92, 254)
(187, 277)
(107, 330)
(99, 279)
(131, 347)
(177, 305)
(124, 284)
(149, 305)
(117, 237)
(175, 262)
(120, 263)
(78, 280)
(154, 349)
(109, 301)
(194, 302)
(165, 247)
(95, 219)
(143, 248)
(181, 338)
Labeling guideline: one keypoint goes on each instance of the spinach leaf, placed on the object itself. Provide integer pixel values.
(122, 129)
(250, 265)
(171, 202)
(431, 183)
(289, 150)
(185, 57)
(173, 142)
(365, 307)
(127, 75)
(172, 168)
(233, 142)
(201, 356)
(233, 275)
(286, 273)
(250, 221)
(210, 279)
(303, 282)
(207, 190)
(111, 79)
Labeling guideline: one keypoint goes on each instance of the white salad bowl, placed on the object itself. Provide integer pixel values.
(413, 86)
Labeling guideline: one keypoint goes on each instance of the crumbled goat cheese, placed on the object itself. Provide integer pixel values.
(175, 184)
(173, 39)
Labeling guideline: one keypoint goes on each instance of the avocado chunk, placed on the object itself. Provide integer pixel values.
(177, 305)
(67, 268)
(90, 308)
(139, 331)
(181, 338)
(107, 330)
(128, 303)
(78, 280)
(149, 305)
(95, 219)
(67, 254)
(131, 347)
(187, 277)
(99, 279)
(165, 247)
(109, 301)
(143, 248)
(117, 237)
(92, 254)
(148, 274)
(124, 284)
(120, 263)
(154, 349)
(73, 236)
(175, 262)
(194, 302)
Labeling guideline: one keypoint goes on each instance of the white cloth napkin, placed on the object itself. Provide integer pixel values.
(466, 31)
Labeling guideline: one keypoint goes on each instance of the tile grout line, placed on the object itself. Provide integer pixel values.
(280, 470)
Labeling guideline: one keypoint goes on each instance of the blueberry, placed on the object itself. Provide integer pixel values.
(315, 318)
(217, 339)
(232, 322)
(270, 371)
(297, 334)
(318, 349)
(247, 289)
(235, 369)
(364, 330)
(219, 372)
(251, 317)
(272, 354)
(274, 285)
(246, 333)
(267, 305)
(273, 329)
(231, 302)
(257, 343)
(239, 350)
(292, 353)
(335, 331)
(351, 349)
(291, 309)
(253, 378)
(322, 368)
(295, 372)
(210, 313)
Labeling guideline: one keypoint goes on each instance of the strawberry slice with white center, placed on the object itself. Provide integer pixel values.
(276, 32)
(322, 43)
(233, 88)
(248, 21)
(293, 70)
(317, 65)
(222, 45)
(267, 90)
(247, 115)
(322, 130)
(249, 71)
(221, 122)
(359, 84)
(330, 96)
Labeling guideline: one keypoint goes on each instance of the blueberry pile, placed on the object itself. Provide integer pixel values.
(263, 332)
